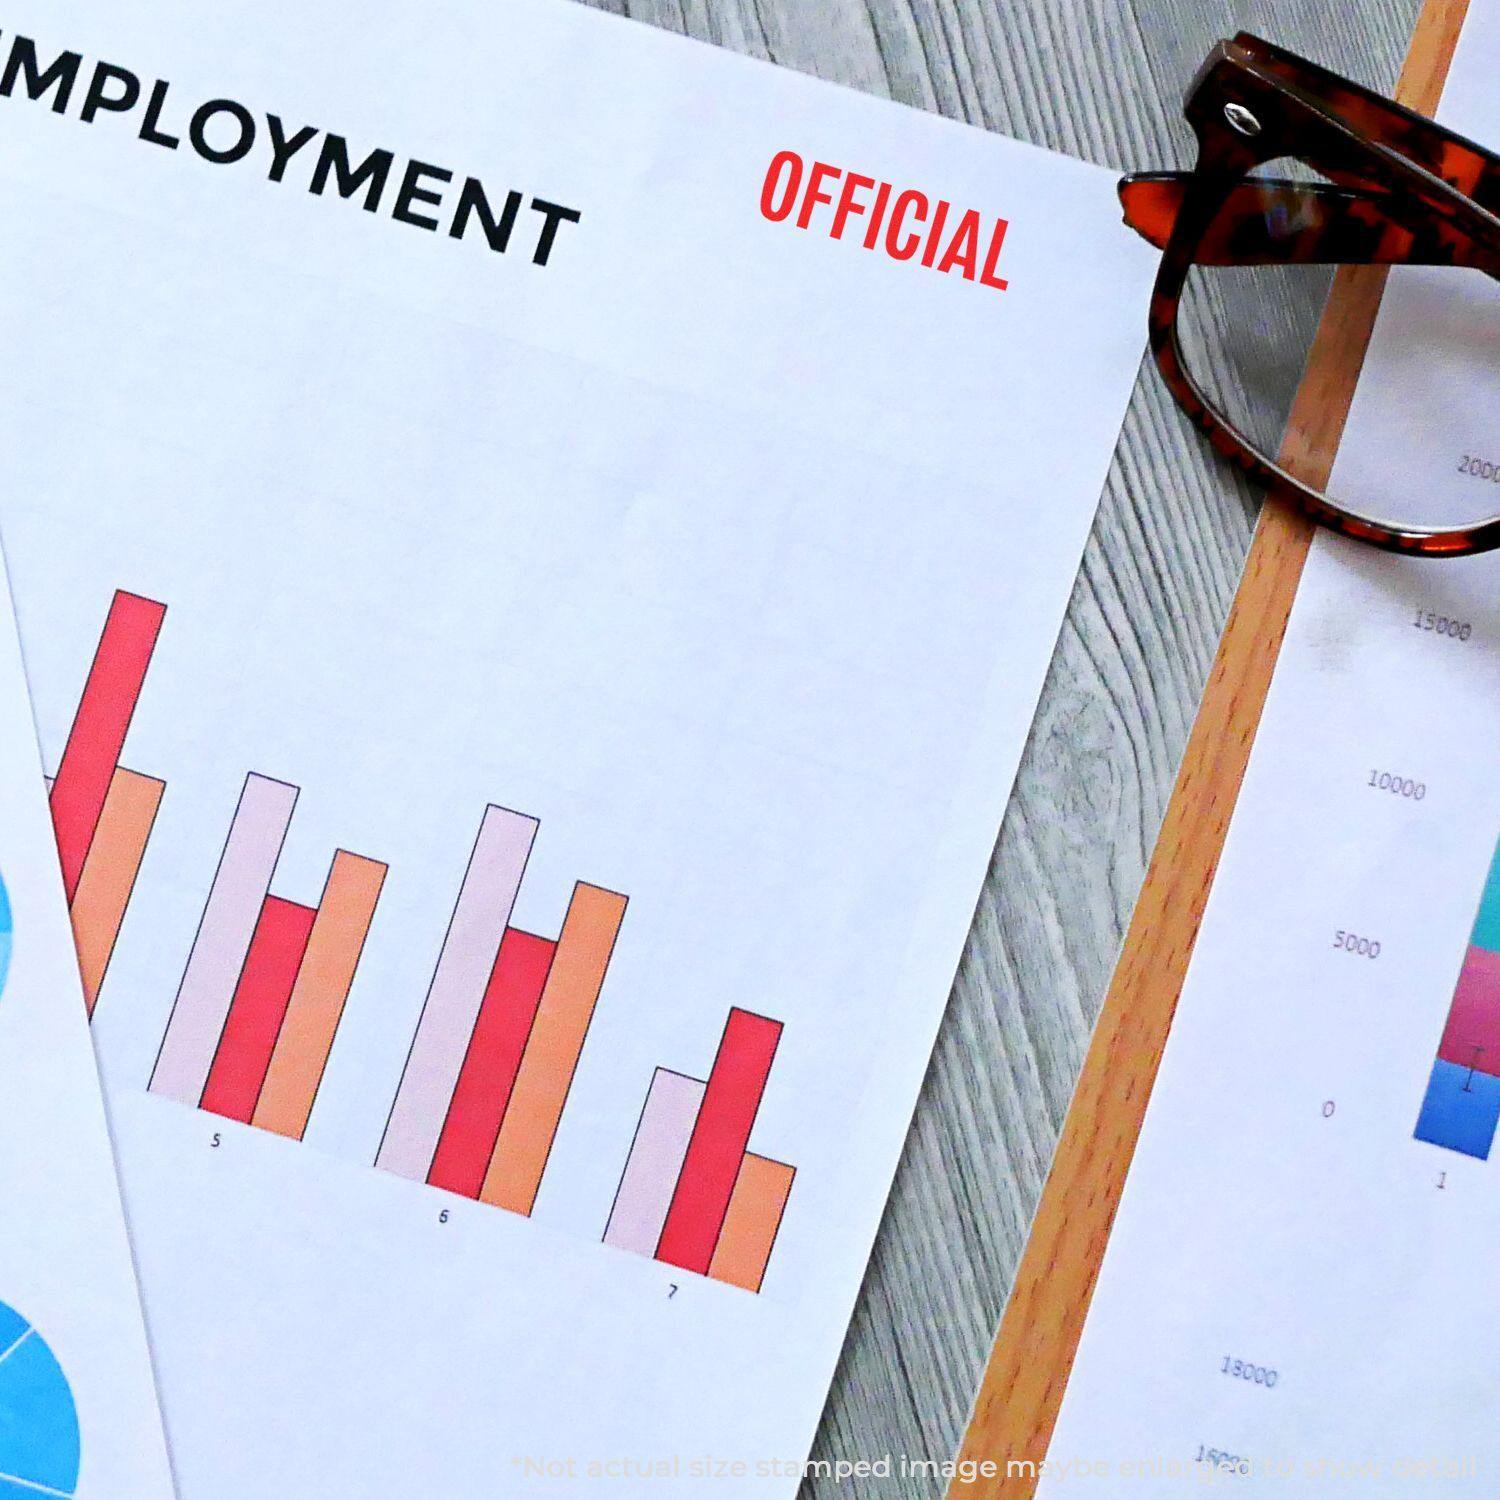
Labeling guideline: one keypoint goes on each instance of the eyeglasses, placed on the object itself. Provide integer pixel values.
(1300, 171)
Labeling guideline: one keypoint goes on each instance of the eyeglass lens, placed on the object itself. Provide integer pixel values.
(1245, 334)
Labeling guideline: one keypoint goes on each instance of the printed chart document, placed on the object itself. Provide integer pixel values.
(1299, 1291)
(537, 544)
(78, 1410)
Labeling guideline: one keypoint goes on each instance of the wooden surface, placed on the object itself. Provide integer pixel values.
(1102, 79)
(1020, 1395)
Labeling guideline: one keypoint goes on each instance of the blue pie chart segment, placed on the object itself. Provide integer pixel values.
(39, 1444)
(5, 932)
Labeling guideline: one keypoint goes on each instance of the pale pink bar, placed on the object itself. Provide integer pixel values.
(656, 1156)
(213, 967)
(479, 920)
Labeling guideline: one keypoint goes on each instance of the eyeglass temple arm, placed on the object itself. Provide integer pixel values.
(1269, 221)
(1454, 158)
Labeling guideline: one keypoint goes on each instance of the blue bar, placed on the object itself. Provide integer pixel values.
(1461, 1110)
(1487, 923)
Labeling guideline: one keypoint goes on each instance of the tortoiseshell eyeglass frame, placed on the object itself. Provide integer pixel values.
(1400, 190)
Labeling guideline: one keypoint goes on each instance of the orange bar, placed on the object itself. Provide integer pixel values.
(562, 1021)
(750, 1226)
(317, 1004)
(109, 871)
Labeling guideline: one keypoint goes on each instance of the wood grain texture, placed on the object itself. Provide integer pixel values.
(1023, 1386)
(1102, 79)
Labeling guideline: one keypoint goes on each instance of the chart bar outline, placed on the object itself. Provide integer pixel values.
(1460, 1108)
(487, 1080)
(109, 873)
(260, 1004)
(240, 887)
(720, 1137)
(1486, 933)
(345, 912)
(1471, 1036)
(752, 1222)
(481, 913)
(655, 1161)
(584, 949)
(96, 738)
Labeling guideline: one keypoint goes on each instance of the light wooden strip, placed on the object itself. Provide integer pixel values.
(1028, 1370)
(109, 872)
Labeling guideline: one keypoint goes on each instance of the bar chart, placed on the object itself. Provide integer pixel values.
(1461, 1108)
(692, 1194)
(502, 1029)
(266, 980)
(102, 812)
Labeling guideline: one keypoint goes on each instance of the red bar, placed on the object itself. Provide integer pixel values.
(99, 727)
(491, 1063)
(260, 1001)
(719, 1140)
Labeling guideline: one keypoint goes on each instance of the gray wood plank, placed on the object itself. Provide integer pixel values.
(1102, 79)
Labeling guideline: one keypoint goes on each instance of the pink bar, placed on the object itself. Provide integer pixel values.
(213, 967)
(656, 1155)
(480, 917)
(1472, 1036)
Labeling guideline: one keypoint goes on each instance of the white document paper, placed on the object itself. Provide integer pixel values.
(1299, 1290)
(78, 1410)
(697, 566)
